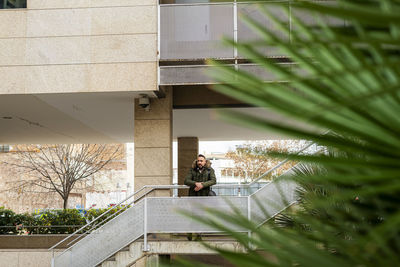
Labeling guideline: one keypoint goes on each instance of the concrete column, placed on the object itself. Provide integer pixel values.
(152, 260)
(188, 149)
(153, 143)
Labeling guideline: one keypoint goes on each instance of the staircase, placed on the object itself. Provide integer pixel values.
(123, 240)
(135, 255)
(160, 215)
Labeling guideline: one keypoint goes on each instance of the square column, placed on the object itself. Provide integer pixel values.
(188, 149)
(153, 143)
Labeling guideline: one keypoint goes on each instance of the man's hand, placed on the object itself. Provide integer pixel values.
(198, 187)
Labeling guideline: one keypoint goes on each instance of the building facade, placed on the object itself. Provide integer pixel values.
(76, 71)
(101, 71)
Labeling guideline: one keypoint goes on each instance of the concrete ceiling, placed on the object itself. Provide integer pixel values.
(204, 124)
(67, 118)
(107, 118)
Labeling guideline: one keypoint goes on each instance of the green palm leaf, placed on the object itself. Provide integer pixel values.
(344, 77)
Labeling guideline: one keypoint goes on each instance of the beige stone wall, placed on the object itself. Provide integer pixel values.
(79, 46)
(188, 149)
(153, 143)
(25, 257)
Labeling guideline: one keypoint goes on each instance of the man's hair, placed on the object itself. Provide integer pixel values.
(201, 155)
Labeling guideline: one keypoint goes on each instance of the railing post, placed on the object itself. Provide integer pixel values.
(70, 258)
(249, 217)
(235, 33)
(290, 21)
(145, 245)
(158, 42)
(52, 258)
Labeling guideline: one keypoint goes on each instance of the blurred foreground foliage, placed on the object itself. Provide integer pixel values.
(343, 75)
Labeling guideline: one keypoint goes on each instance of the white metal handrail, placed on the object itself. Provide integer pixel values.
(165, 187)
(158, 215)
(97, 218)
(165, 200)
(151, 188)
(269, 194)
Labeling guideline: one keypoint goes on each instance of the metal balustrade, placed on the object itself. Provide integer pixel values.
(197, 74)
(161, 215)
(142, 214)
(194, 30)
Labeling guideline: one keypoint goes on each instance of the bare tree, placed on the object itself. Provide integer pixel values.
(251, 159)
(59, 168)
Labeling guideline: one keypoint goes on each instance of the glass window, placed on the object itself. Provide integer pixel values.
(4, 148)
(5, 4)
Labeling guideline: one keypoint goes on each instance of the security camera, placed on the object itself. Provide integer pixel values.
(144, 102)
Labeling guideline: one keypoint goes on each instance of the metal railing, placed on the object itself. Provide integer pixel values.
(138, 215)
(191, 31)
(159, 215)
(21, 229)
(197, 74)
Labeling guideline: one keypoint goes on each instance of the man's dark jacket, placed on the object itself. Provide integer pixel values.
(206, 176)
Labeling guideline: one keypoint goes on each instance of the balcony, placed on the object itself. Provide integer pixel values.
(192, 32)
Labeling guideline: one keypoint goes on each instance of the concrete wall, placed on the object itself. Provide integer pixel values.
(25, 258)
(13, 242)
(28, 251)
(79, 46)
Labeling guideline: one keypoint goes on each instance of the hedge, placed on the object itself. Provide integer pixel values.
(51, 221)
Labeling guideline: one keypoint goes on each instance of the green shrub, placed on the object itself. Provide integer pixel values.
(52, 221)
(24, 222)
(7, 221)
(59, 220)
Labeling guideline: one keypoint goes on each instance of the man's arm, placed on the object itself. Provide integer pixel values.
(189, 179)
(213, 179)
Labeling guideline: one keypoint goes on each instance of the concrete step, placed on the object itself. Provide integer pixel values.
(123, 258)
(215, 260)
(109, 263)
(169, 245)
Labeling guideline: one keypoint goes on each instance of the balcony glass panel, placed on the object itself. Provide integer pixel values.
(192, 29)
(189, 75)
(311, 21)
(195, 31)
(245, 34)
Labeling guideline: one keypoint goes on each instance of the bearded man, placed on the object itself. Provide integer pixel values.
(200, 177)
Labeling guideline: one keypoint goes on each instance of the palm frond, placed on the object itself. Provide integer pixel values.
(345, 77)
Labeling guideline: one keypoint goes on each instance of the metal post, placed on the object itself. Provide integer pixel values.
(240, 183)
(158, 43)
(70, 258)
(52, 258)
(235, 33)
(249, 217)
(145, 245)
(290, 22)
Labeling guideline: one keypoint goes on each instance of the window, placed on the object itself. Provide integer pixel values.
(6, 4)
(4, 148)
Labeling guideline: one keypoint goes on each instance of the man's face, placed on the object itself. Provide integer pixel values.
(201, 162)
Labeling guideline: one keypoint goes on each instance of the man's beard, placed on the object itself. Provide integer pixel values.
(200, 167)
